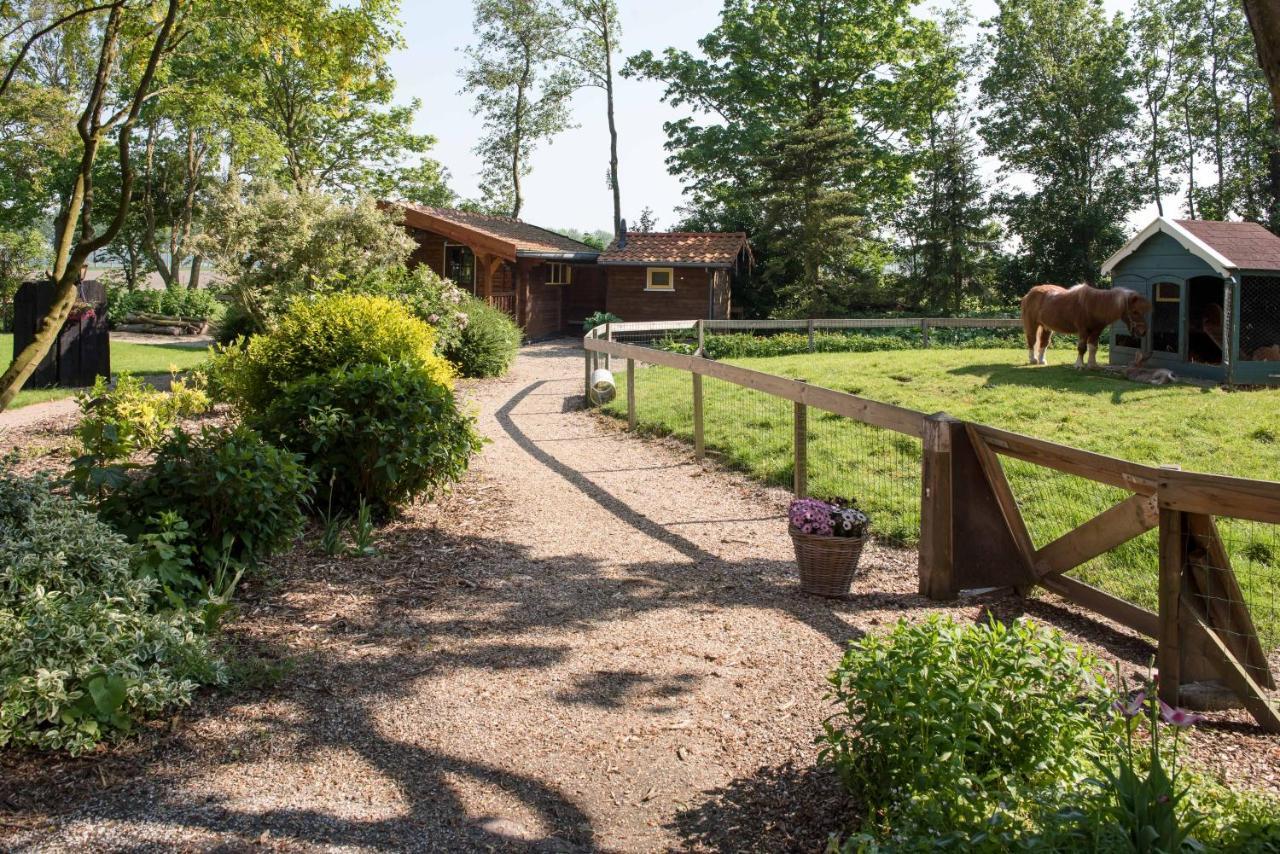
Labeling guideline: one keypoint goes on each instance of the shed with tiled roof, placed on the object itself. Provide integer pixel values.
(1215, 291)
(678, 248)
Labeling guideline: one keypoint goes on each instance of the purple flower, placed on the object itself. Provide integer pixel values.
(1133, 708)
(1181, 718)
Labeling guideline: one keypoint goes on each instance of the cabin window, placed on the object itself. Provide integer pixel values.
(660, 279)
(559, 274)
(460, 266)
(1167, 292)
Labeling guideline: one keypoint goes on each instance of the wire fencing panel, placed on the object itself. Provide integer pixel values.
(1245, 572)
(1260, 319)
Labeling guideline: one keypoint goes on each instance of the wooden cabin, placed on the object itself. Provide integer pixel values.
(1215, 294)
(550, 283)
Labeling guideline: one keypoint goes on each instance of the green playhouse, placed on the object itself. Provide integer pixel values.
(1215, 294)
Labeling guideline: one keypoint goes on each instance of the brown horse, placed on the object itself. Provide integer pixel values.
(1082, 311)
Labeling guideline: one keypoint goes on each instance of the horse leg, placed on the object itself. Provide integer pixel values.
(1030, 328)
(1093, 349)
(1081, 347)
(1046, 338)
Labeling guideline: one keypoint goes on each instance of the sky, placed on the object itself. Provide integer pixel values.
(567, 187)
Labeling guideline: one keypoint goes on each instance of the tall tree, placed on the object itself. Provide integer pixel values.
(520, 89)
(1264, 22)
(131, 42)
(594, 30)
(802, 110)
(1059, 111)
(1155, 63)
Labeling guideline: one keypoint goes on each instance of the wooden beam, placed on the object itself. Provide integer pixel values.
(1132, 517)
(1218, 495)
(1098, 467)
(476, 241)
(937, 511)
(1005, 499)
(1173, 557)
(631, 394)
(1122, 611)
(699, 439)
(800, 469)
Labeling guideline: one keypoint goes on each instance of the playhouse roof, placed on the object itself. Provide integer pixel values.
(1224, 246)
(678, 248)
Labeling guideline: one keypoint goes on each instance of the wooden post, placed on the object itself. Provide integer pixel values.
(699, 448)
(924, 331)
(586, 381)
(801, 474)
(937, 552)
(1173, 557)
(811, 335)
(608, 336)
(631, 394)
(701, 340)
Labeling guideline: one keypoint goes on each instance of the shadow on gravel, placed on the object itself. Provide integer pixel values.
(779, 809)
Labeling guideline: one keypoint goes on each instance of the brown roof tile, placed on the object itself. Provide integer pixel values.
(1247, 245)
(521, 235)
(691, 248)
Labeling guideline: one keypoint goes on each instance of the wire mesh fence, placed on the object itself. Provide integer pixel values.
(1260, 319)
(1234, 566)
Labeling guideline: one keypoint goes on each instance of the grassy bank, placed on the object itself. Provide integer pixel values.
(1203, 429)
(125, 356)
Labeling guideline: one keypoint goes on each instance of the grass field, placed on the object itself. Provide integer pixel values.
(1202, 429)
(135, 358)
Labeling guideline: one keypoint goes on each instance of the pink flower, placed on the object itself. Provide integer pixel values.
(1133, 708)
(1180, 718)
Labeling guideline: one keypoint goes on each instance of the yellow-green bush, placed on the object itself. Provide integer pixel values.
(134, 415)
(317, 336)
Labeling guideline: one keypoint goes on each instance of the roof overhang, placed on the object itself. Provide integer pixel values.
(1215, 259)
(478, 241)
(580, 257)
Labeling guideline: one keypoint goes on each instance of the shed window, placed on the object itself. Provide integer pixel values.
(559, 274)
(1167, 292)
(660, 279)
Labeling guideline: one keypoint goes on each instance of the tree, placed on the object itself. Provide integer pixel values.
(519, 90)
(1155, 62)
(1264, 22)
(131, 42)
(802, 111)
(647, 221)
(594, 31)
(1059, 111)
(21, 253)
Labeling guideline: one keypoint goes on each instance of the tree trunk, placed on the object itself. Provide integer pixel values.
(197, 261)
(613, 130)
(1264, 20)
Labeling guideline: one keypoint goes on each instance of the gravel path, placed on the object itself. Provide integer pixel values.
(594, 643)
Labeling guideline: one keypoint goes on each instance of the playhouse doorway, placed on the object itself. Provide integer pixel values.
(1204, 320)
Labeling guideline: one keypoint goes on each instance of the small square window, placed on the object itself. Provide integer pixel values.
(660, 279)
(1167, 292)
(559, 274)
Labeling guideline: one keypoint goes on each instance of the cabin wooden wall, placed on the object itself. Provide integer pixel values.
(628, 299)
(430, 251)
(540, 305)
(583, 296)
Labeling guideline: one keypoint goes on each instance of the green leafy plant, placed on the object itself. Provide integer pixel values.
(166, 554)
(487, 345)
(134, 415)
(83, 654)
(240, 496)
(599, 318)
(362, 531)
(939, 723)
(318, 336)
(382, 434)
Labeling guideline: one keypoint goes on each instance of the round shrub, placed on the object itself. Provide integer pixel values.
(316, 336)
(939, 723)
(381, 433)
(240, 496)
(82, 654)
(487, 344)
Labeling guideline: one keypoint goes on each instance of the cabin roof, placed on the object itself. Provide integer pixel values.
(1224, 246)
(678, 248)
(505, 236)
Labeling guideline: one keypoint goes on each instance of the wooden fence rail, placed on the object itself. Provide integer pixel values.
(973, 534)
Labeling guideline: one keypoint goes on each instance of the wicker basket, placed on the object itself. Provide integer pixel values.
(827, 564)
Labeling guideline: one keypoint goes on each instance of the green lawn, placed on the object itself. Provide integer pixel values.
(1203, 429)
(135, 358)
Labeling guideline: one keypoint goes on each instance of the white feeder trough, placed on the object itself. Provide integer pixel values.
(603, 388)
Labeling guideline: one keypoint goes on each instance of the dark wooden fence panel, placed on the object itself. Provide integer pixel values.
(82, 350)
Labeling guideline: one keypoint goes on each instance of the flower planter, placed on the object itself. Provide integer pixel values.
(827, 564)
